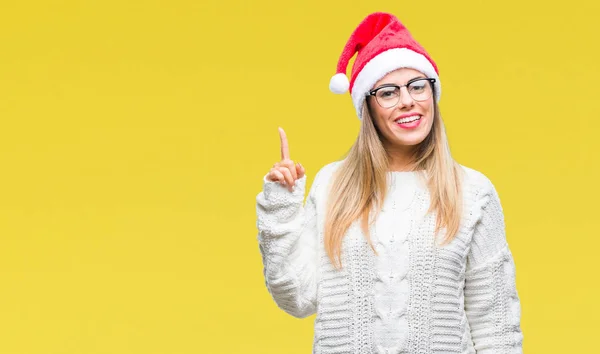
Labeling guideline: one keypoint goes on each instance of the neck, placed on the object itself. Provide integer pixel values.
(401, 158)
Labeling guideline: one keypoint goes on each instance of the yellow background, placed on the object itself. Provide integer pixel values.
(134, 136)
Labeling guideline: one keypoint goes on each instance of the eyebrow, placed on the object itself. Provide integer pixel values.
(417, 77)
(409, 81)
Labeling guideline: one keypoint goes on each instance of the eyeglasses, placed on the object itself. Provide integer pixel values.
(388, 95)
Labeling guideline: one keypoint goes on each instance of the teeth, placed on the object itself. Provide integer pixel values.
(407, 119)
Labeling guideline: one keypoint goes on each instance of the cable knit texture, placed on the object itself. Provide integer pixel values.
(414, 296)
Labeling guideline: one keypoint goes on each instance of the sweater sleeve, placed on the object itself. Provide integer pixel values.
(287, 238)
(492, 304)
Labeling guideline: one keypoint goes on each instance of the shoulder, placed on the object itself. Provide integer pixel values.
(476, 181)
(327, 171)
(479, 191)
(324, 176)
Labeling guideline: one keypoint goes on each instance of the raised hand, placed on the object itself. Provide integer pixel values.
(285, 171)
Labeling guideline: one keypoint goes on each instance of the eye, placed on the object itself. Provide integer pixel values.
(417, 86)
(387, 92)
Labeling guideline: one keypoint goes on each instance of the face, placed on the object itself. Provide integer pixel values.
(397, 125)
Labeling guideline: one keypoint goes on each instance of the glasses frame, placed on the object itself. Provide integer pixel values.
(399, 87)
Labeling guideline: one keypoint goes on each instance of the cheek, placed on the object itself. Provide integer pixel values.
(428, 110)
(379, 119)
(430, 117)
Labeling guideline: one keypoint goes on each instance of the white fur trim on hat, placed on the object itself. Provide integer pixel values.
(385, 63)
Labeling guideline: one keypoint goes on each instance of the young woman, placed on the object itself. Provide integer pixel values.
(398, 249)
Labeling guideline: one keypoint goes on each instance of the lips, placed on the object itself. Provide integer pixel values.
(407, 118)
(408, 121)
(409, 115)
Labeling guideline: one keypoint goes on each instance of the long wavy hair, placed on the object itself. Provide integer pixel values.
(360, 184)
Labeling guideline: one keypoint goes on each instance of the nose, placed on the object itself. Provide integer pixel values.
(406, 99)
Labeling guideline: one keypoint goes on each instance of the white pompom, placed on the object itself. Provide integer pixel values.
(339, 83)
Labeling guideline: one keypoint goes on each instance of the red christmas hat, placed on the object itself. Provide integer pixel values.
(382, 44)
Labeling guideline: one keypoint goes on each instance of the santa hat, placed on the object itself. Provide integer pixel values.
(382, 45)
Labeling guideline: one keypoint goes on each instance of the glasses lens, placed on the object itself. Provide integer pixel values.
(420, 90)
(388, 96)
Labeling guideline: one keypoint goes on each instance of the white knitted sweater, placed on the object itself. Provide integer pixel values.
(414, 296)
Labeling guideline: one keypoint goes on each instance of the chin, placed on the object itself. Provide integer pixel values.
(410, 142)
(413, 139)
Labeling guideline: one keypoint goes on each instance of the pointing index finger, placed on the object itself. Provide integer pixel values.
(285, 150)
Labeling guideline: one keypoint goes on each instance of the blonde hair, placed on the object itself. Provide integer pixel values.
(360, 184)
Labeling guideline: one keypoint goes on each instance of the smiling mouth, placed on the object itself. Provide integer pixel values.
(407, 119)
